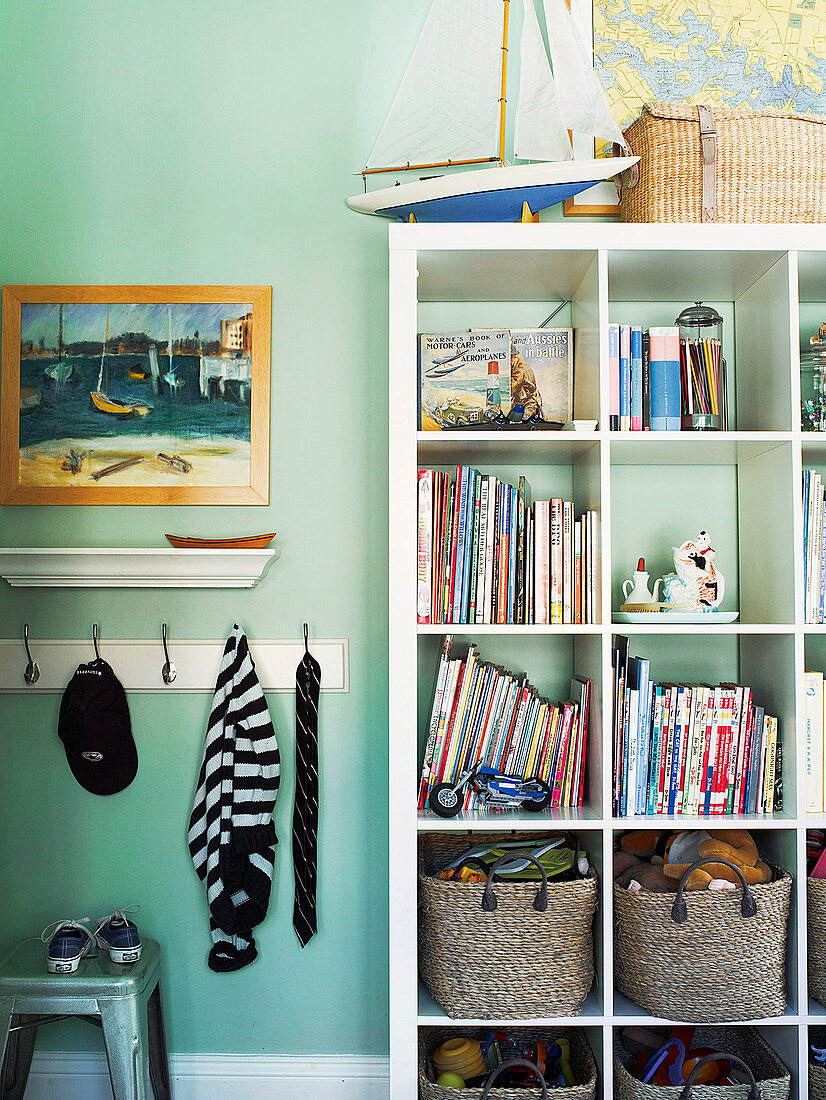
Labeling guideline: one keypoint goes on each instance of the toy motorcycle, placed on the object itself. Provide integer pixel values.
(494, 789)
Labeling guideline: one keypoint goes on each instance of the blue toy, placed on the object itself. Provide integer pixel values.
(494, 788)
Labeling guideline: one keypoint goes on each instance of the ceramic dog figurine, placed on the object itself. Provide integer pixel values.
(696, 583)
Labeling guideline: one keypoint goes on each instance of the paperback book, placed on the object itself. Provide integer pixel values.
(487, 553)
(683, 748)
(484, 714)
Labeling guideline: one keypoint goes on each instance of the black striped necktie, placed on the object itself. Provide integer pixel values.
(305, 807)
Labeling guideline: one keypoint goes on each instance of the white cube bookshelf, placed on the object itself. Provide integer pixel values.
(651, 490)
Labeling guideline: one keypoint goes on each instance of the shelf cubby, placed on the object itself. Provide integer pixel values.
(653, 491)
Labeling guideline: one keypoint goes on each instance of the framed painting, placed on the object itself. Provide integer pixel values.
(135, 395)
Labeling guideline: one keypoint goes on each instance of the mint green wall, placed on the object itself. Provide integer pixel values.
(200, 142)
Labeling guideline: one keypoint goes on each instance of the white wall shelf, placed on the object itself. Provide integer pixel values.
(743, 485)
(28, 567)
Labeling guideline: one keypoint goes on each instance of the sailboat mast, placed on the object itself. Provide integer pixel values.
(60, 335)
(502, 99)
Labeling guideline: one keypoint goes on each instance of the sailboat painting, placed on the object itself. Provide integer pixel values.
(144, 395)
(450, 112)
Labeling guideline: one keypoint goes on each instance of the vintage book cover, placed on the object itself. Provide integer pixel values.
(542, 372)
(461, 374)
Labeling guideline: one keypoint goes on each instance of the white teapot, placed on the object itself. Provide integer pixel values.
(636, 591)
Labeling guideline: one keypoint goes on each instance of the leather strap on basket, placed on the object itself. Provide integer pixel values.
(524, 1065)
(708, 142)
(679, 912)
(540, 902)
(754, 1091)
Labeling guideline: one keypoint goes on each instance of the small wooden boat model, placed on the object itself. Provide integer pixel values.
(248, 542)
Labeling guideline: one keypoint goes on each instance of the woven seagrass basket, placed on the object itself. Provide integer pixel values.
(714, 965)
(772, 1077)
(816, 928)
(725, 165)
(514, 962)
(582, 1063)
(817, 1082)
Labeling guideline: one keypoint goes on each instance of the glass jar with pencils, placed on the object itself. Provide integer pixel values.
(704, 394)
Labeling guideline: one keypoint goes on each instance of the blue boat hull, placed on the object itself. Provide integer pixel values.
(487, 206)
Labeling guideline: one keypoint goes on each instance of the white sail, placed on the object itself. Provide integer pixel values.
(447, 107)
(582, 102)
(539, 133)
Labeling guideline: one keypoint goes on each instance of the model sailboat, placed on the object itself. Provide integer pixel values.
(101, 400)
(450, 110)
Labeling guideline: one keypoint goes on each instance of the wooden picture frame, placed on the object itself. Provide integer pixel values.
(195, 412)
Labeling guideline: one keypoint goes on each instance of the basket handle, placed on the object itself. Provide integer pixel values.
(754, 1091)
(540, 902)
(679, 912)
(525, 1065)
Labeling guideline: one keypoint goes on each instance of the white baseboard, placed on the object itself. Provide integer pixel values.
(73, 1076)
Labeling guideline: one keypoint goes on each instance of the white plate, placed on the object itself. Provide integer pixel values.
(712, 618)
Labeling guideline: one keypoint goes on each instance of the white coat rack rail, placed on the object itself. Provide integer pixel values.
(139, 663)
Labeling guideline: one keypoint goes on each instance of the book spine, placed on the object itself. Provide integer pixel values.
(521, 557)
(759, 742)
(665, 379)
(490, 543)
(559, 775)
(636, 378)
(684, 762)
(424, 562)
(543, 561)
(497, 553)
(646, 382)
(813, 688)
(625, 378)
(567, 561)
(771, 763)
(578, 571)
(613, 378)
(512, 553)
(556, 560)
(481, 556)
(454, 543)
(654, 751)
(584, 721)
(665, 741)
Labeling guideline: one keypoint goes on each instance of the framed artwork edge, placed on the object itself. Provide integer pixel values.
(17, 295)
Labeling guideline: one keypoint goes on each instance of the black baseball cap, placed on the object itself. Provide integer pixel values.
(95, 729)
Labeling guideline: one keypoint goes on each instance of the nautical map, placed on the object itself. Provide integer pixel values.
(762, 53)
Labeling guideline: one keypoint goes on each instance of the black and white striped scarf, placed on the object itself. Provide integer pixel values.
(231, 832)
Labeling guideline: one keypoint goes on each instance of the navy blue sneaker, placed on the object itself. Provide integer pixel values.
(119, 936)
(69, 941)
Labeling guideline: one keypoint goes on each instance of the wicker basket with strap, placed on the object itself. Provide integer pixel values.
(767, 1074)
(512, 950)
(724, 165)
(710, 956)
(816, 929)
(582, 1063)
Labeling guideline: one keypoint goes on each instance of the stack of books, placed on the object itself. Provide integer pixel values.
(690, 748)
(486, 554)
(483, 714)
(814, 547)
(813, 713)
(656, 378)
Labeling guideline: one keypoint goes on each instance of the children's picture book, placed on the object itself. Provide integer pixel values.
(542, 372)
(461, 374)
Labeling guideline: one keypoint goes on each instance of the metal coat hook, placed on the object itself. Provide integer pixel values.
(95, 641)
(32, 673)
(306, 638)
(169, 672)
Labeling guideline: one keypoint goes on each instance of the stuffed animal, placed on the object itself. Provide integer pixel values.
(641, 842)
(735, 845)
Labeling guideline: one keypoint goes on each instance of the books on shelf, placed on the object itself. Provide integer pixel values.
(814, 547)
(813, 713)
(488, 555)
(681, 748)
(464, 376)
(484, 714)
(655, 378)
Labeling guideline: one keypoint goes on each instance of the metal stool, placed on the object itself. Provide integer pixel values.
(124, 1001)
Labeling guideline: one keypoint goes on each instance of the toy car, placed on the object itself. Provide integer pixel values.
(494, 789)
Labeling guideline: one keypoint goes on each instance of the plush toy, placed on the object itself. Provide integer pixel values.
(735, 845)
(649, 877)
(641, 842)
